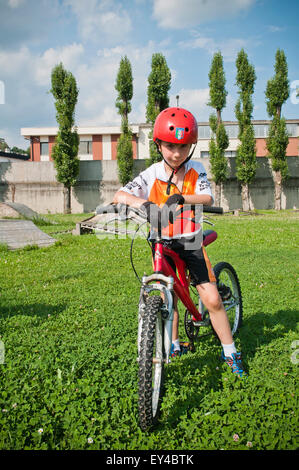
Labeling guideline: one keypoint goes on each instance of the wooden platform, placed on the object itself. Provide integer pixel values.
(20, 233)
(109, 223)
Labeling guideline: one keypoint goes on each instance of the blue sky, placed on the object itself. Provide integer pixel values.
(90, 38)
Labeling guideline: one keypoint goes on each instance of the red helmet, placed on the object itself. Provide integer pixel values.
(176, 125)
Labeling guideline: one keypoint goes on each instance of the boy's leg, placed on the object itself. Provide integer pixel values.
(177, 348)
(210, 297)
(175, 323)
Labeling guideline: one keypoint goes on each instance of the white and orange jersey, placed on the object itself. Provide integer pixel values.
(151, 184)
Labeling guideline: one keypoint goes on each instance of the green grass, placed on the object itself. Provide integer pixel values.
(69, 325)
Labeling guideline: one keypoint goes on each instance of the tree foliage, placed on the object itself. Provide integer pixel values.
(219, 141)
(217, 147)
(277, 143)
(278, 88)
(65, 150)
(246, 152)
(277, 92)
(124, 86)
(159, 82)
(217, 83)
(125, 157)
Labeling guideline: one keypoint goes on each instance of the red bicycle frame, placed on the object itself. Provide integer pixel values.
(180, 282)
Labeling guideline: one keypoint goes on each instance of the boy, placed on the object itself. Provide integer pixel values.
(177, 180)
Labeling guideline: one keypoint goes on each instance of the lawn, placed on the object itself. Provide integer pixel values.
(69, 325)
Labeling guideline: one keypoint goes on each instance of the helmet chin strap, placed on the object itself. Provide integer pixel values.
(174, 170)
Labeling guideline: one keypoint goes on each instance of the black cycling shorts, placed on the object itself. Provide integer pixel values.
(197, 263)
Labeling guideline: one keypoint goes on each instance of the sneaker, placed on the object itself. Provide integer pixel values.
(235, 363)
(185, 348)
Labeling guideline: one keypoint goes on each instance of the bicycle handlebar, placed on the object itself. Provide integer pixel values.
(123, 209)
(213, 209)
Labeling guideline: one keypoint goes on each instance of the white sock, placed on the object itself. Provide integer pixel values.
(176, 345)
(229, 349)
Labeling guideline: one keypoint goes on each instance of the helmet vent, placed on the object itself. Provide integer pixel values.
(171, 128)
(173, 114)
(187, 129)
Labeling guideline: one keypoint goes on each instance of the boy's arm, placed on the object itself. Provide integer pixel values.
(122, 197)
(205, 199)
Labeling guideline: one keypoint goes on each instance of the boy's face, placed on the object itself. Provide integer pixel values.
(174, 154)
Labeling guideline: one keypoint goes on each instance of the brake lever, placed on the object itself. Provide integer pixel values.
(208, 222)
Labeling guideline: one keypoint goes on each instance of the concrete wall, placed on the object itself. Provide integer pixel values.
(34, 184)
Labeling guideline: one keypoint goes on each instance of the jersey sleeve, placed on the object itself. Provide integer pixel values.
(203, 185)
(137, 187)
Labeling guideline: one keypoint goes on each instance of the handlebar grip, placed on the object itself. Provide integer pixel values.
(109, 209)
(213, 209)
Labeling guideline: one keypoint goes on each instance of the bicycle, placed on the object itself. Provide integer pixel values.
(155, 312)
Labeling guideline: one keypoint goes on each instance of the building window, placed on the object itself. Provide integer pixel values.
(292, 130)
(261, 130)
(85, 147)
(204, 132)
(230, 153)
(44, 148)
(232, 131)
(204, 154)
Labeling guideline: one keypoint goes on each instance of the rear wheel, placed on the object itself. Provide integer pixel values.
(151, 363)
(230, 292)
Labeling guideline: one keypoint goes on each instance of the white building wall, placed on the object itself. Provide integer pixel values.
(107, 151)
(143, 142)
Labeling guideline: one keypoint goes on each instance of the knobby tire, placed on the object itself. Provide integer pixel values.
(150, 347)
(236, 313)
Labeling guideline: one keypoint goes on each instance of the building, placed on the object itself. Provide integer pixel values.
(100, 143)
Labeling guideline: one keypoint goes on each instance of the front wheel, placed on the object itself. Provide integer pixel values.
(230, 292)
(151, 363)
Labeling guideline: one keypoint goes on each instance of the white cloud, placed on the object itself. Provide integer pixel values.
(275, 29)
(101, 18)
(229, 48)
(178, 14)
(70, 56)
(195, 100)
(12, 62)
(15, 3)
(24, 64)
(27, 78)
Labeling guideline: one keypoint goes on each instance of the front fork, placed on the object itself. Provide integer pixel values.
(163, 284)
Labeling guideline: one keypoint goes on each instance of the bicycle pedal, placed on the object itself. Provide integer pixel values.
(189, 346)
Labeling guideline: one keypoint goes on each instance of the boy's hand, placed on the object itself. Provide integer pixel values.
(169, 208)
(153, 213)
(174, 199)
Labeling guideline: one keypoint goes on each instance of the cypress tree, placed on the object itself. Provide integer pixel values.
(219, 141)
(65, 150)
(124, 87)
(277, 92)
(246, 152)
(159, 82)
